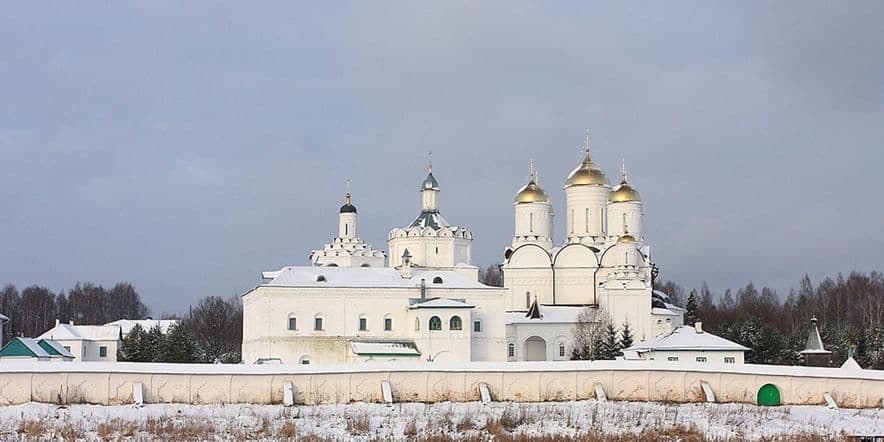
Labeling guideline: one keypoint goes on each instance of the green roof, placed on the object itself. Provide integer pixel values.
(23, 347)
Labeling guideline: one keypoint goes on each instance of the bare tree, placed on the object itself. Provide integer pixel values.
(491, 275)
(216, 323)
(588, 332)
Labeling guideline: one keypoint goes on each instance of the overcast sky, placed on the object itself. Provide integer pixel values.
(187, 146)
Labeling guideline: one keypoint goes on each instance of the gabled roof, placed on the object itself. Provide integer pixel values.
(55, 349)
(68, 332)
(442, 303)
(686, 338)
(23, 347)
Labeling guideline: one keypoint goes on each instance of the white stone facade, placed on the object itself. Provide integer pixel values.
(369, 311)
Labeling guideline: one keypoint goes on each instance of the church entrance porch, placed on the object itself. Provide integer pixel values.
(535, 349)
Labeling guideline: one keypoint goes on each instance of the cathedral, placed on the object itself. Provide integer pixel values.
(422, 301)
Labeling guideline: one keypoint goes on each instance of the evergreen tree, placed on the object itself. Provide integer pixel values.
(691, 316)
(178, 345)
(626, 338)
(597, 349)
(133, 348)
(610, 343)
(154, 344)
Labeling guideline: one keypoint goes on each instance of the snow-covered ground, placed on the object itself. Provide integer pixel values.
(584, 420)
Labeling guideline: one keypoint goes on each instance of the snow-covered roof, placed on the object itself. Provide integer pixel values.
(432, 220)
(549, 314)
(366, 277)
(814, 344)
(851, 365)
(3, 317)
(34, 347)
(63, 352)
(442, 303)
(403, 348)
(686, 338)
(664, 312)
(126, 325)
(68, 332)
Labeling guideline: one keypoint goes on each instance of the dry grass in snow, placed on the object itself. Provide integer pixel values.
(578, 421)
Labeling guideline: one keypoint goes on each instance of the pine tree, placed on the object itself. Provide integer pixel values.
(178, 345)
(133, 347)
(691, 316)
(626, 338)
(597, 350)
(610, 344)
(154, 344)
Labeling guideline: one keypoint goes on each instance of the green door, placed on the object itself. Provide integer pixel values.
(769, 395)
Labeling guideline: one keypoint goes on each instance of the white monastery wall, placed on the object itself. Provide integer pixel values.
(111, 384)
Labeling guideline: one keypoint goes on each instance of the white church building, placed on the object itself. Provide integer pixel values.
(422, 300)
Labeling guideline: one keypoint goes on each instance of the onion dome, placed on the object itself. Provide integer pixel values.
(624, 192)
(587, 173)
(348, 207)
(532, 192)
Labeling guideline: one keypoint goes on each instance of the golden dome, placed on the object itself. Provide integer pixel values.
(624, 193)
(626, 239)
(531, 193)
(586, 174)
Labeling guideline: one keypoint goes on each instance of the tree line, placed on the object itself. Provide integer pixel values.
(210, 332)
(849, 310)
(35, 309)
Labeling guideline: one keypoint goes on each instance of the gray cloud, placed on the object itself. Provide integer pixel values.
(188, 147)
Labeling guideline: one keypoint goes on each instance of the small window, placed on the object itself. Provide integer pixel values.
(437, 250)
(730, 360)
(321, 278)
(305, 360)
(511, 350)
(102, 352)
(67, 347)
(435, 323)
(561, 350)
(293, 323)
(363, 324)
(388, 324)
(417, 324)
(477, 326)
(317, 323)
(672, 359)
(365, 264)
(437, 280)
(701, 358)
(455, 323)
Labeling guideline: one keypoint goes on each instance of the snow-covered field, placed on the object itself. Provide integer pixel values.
(585, 420)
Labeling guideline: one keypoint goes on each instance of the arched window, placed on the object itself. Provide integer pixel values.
(455, 323)
(531, 226)
(511, 350)
(363, 323)
(561, 350)
(293, 323)
(437, 280)
(317, 323)
(305, 360)
(527, 299)
(321, 278)
(435, 323)
(388, 323)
